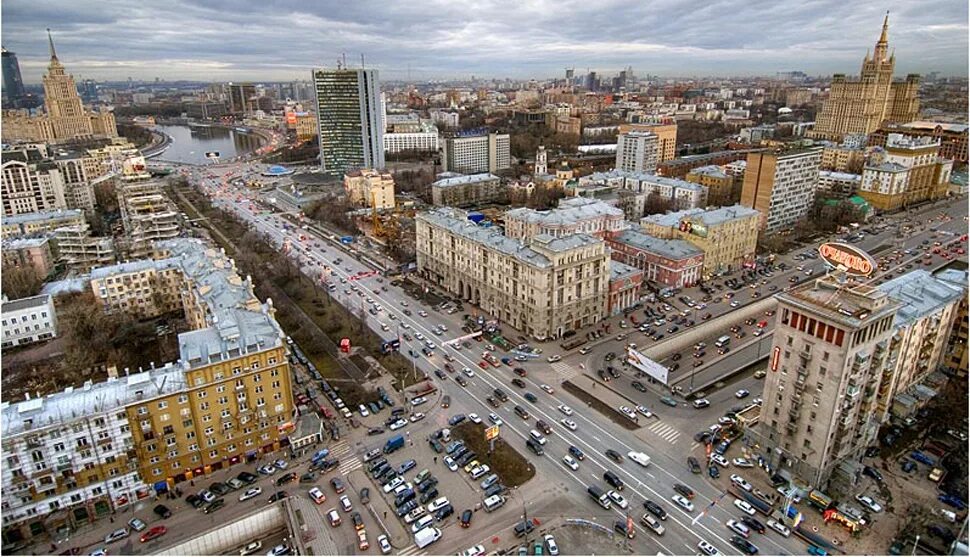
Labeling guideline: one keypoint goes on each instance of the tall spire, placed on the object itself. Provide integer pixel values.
(884, 37)
(50, 41)
(883, 44)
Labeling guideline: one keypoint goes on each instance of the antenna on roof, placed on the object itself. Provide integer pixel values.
(361, 60)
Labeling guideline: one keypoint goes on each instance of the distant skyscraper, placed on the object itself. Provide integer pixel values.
(860, 106)
(350, 119)
(13, 84)
(241, 97)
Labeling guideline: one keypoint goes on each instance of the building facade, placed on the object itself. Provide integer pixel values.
(32, 224)
(719, 184)
(462, 191)
(666, 133)
(30, 185)
(147, 213)
(426, 142)
(956, 360)
(78, 250)
(625, 283)
(861, 106)
(573, 215)
(350, 119)
(13, 83)
(781, 186)
(28, 320)
(477, 154)
(544, 287)
(952, 137)
(841, 158)
(665, 263)
(637, 152)
(35, 254)
(838, 185)
(370, 188)
(907, 172)
(727, 236)
(828, 351)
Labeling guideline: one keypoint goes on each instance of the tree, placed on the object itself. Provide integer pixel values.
(21, 282)
(334, 211)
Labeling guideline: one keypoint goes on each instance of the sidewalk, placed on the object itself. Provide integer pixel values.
(380, 510)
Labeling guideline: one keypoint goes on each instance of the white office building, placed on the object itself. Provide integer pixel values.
(477, 154)
(637, 152)
(28, 320)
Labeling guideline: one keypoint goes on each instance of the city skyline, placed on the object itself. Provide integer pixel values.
(284, 40)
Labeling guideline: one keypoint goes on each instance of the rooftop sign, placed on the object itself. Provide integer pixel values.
(848, 258)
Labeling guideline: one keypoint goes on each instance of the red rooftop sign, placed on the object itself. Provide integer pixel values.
(852, 260)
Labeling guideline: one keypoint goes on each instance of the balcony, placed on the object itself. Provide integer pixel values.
(796, 398)
(794, 413)
(800, 381)
(791, 428)
(805, 355)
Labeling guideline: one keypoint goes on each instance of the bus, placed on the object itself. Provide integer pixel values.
(723, 341)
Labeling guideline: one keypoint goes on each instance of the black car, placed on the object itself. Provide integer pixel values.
(427, 484)
(466, 458)
(655, 509)
(429, 495)
(620, 527)
(406, 507)
(603, 375)
(404, 497)
(219, 488)
(162, 511)
(615, 456)
(214, 506)
(639, 386)
(247, 478)
(754, 524)
(444, 512)
(461, 380)
(713, 472)
(530, 397)
(466, 518)
(494, 489)
(523, 528)
(278, 496)
(872, 451)
(702, 436)
(405, 466)
(518, 383)
(684, 490)
(695, 466)
(576, 452)
(744, 545)
(613, 480)
(195, 501)
(440, 374)
(365, 495)
(872, 473)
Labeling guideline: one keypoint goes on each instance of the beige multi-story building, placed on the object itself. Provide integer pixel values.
(637, 152)
(461, 191)
(952, 136)
(370, 188)
(830, 344)
(83, 453)
(927, 311)
(838, 185)
(719, 184)
(841, 158)
(909, 171)
(32, 224)
(956, 360)
(64, 118)
(728, 236)
(144, 288)
(305, 125)
(30, 183)
(861, 106)
(574, 215)
(666, 133)
(477, 154)
(29, 253)
(544, 286)
(781, 186)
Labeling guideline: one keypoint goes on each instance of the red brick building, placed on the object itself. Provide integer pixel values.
(665, 263)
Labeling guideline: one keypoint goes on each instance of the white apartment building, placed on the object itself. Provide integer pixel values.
(637, 152)
(838, 184)
(29, 187)
(573, 215)
(447, 119)
(477, 154)
(781, 185)
(415, 141)
(28, 320)
(682, 194)
(543, 286)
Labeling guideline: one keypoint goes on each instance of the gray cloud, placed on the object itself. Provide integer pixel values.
(283, 39)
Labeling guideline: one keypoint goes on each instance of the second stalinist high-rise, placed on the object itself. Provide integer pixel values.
(349, 119)
(860, 106)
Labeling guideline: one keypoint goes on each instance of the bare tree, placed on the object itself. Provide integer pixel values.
(21, 282)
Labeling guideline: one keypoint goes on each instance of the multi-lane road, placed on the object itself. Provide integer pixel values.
(594, 434)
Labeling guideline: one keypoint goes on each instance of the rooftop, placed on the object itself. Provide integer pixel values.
(945, 126)
(571, 210)
(671, 249)
(24, 243)
(888, 167)
(133, 267)
(853, 306)
(712, 217)
(839, 175)
(622, 271)
(710, 170)
(40, 216)
(920, 294)
(464, 180)
(25, 303)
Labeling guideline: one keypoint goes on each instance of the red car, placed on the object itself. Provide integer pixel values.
(483, 364)
(152, 533)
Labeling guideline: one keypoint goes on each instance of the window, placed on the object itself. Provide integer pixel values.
(163, 405)
(201, 394)
(221, 389)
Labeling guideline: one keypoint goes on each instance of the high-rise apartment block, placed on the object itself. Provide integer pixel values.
(781, 186)
(666, 132)
(543, 287)
(30, 183)
(370, 188)
(241, 98)
(477, 154)
(861, 106)
(829, 348)
(637, 152)
(350, 119)
(147, 213)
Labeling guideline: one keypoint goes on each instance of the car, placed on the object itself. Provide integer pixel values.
(669, 401)
(639, 386)
(565, 409)
(576, 452)
(518, 383)
(707, 549)
(162, 511)
(451, 464)
(417, 401)
(869, 503)
(153, 533)
(713, 472)
(278, 496)
(644, 411)
(701, 403)
(570, 462)
(250, 493)
(738, 528)
(744, 506)
(684, 490)
(744, 545)
(742, 393)
(530, 397)
(546, 388)
(694, 466)
(754, 524)
(345, 504)
(741, 482)
(742, 463)
(338, 485)
(266, 469)
(683, 503)
(618, 499)
(614, 456)
(437, 504)
(118, 534)
(872, 473)
(137, 524)
(569, 424)
(214, 506)
(779, 527)
(629, 413)
(207, 496)
(251, 548)
(554, 358)
(384, 544)
(473, 418)
(461, 380)
(281, 549)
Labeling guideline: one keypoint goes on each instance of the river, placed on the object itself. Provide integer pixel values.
(190, 144)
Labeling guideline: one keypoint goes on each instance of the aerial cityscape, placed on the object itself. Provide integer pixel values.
(526, 279)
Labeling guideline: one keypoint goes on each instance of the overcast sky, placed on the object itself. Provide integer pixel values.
(216, 40)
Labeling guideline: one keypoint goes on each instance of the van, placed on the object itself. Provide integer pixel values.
(426, 537)
(422, 523)
(723, 341)
(493, 502)
(538, 437)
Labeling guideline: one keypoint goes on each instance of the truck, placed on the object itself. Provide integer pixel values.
(393, 444)
(600, 496)
(640, 458)
(819, 500)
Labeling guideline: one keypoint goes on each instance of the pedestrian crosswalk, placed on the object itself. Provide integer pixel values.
(412, 550)
(565, 371)
(348, 461)
(665, 431)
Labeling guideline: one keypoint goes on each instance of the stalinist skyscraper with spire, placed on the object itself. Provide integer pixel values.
(64, 118)
(859, 106)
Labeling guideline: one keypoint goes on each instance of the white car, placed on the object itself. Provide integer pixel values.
(493, 417)
(438, 503)
(735, 303)
(779, 527)
(417, 401)
(683, 503)
(451, 464)
(565, 410)
(473, 418)
(738, 528)
(628, 412)
(618, 499)
(869, 502)
(345, 504)
(551, 544)
(384, 544)
(363, 411)
(546, 388)
(479, 471)
(418, 335)
(570, 462)
(423, 313)
(250, 493)
(473, 551)
(744, 506)
(554, 358)
(417, 417)
(643, 410)
(720, 460)
(393, 484)
(741, 482)
(415, 514)
(570, 425)
(742, 463)
(430, 345)
(707, 549)
(398, 424)
(119, 534)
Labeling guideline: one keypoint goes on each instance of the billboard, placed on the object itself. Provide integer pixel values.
(695, 228)
(646, 365)
(847, 258)
(491, 432)
(212, 155)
